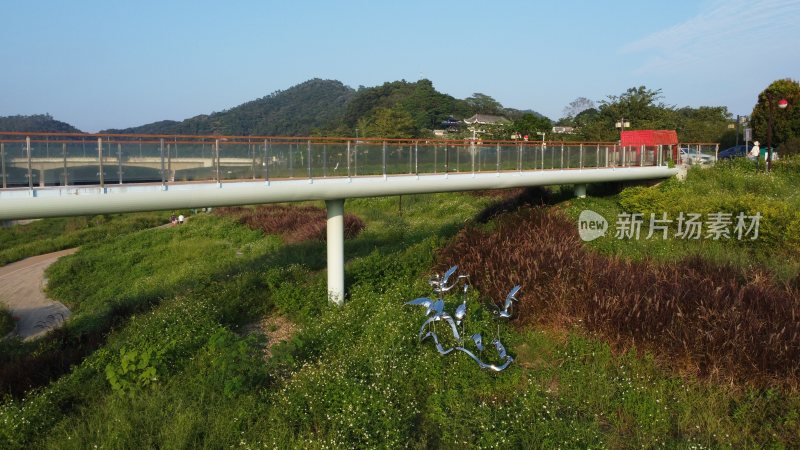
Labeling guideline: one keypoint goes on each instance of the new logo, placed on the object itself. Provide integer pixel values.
(591, 225)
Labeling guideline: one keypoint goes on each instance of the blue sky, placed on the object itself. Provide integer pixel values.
(103, 64)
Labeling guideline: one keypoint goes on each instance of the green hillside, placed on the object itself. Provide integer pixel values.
(397, 109)
(406, 109)
(301, 110)
(43, 123)
(419, 103)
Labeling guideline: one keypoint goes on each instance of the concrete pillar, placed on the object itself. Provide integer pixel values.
(580, 190)
(335, 236)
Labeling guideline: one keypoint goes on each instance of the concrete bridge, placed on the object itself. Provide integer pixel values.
(115, 164)
(280, 169)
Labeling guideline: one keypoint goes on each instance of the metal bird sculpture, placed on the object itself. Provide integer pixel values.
(461, 312)
(478, 339)
(439, 283)
(422, 301)
(434, 311)
(436, 307)
(505, 313)
(501, 350)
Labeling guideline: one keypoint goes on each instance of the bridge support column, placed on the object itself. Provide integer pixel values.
(335, 236)
(42, 181)
(580, 190)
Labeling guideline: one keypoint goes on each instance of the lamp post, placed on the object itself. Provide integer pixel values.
(622, 124)
(740, 120)
(542, 134)
(782, 104)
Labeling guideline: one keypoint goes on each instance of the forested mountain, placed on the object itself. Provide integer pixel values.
(397, 109)
(42, 123)
(418, 104)
(308, 108)
(327, 107)
(404, 109)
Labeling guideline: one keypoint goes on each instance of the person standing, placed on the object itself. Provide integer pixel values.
(754, 153)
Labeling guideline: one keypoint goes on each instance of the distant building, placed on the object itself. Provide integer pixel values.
(478, 123)
(486, 119)
(648, 138)
(651, 138)
(564, 130)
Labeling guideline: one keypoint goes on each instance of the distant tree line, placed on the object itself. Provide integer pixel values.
(403, 109)
(41, 123)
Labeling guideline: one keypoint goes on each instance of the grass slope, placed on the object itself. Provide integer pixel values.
(50, 235)
(176, 373)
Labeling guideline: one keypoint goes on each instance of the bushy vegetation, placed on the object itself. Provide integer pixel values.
(176, 368)
(785, 122)
(709, 319)
(734, 187)
(50, 235)
(293, 223)
(158, 264)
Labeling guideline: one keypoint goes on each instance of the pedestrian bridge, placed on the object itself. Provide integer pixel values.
(58, 174)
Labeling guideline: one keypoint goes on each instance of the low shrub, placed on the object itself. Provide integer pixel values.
(732, 186)
(134, 371)
(293, 223)
(228, 363)
(715, 319)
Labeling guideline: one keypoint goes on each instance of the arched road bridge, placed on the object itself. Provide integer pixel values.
(61, 174)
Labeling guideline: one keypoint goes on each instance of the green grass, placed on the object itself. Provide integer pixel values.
(732, 187)
(353, 376)
(50, 235)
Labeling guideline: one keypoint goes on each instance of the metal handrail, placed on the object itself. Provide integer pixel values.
(26, 156)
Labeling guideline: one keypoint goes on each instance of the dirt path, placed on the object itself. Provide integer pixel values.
(22, 290)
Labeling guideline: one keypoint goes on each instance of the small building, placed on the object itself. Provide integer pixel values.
(486, 119)
(480, 123)
(651, 138)
(563, 130)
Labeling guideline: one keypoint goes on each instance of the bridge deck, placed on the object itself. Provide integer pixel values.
(72, 174)
(20, 203)
(289, 169)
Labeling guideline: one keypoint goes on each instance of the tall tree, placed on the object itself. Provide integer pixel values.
(639, 105)
(484, 104)
(389, 123)
(577, 106)
(528, 125)
(703, 124)
(785, 122)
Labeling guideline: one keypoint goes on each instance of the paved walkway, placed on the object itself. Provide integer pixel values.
(22, 290)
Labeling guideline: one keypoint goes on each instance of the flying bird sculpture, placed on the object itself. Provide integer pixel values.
(435, 312)
(505, 313)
